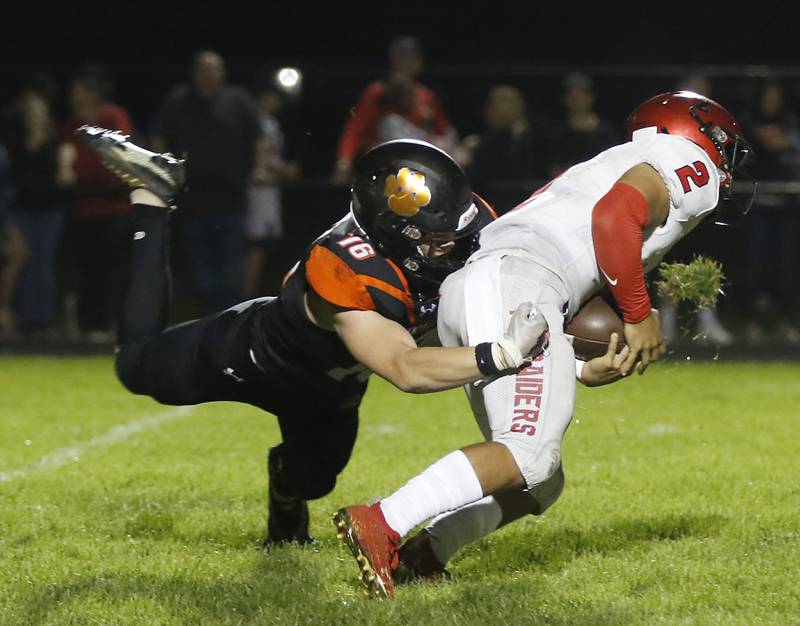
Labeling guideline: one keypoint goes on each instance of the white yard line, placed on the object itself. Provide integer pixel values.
(117, 434)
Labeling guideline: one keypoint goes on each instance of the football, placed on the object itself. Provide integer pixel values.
(590, 330)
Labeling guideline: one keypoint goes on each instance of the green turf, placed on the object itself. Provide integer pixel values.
(681, 507)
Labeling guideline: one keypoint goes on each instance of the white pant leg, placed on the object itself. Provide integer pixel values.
(496, 296)
(452, 331)
(529, 412)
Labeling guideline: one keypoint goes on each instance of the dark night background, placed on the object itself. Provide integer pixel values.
(632, 52)
(146, 48)
(455, 34)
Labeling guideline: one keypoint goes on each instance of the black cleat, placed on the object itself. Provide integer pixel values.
(288, 516)
(417, 561)
(162, 174)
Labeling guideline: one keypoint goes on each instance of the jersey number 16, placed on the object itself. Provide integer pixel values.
(358, 248)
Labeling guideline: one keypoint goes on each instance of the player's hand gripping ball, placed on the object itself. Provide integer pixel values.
(590, 330)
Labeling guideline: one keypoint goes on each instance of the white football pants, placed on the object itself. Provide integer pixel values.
(528, 412)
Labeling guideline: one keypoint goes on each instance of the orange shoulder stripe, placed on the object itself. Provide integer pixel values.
(392, 291)
(488, 206)
(336, 282)
(400, 275)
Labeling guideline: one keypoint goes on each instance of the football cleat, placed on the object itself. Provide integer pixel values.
(138, 168)
(373, 543)
(417, 561)
(288, 516)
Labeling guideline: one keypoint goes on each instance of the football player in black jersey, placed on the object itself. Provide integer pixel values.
(357, 302)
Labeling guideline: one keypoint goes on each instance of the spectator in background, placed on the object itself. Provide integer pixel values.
(397, 106)
(582, 133)
(97, 229)
(709, 328)
(424, 112)
(39, 180)
(215, 125)
(508, 151)
(698, 83)
(13, 252)
(772, 228)
(264, 221)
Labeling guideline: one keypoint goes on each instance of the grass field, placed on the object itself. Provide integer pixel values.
(682, 506)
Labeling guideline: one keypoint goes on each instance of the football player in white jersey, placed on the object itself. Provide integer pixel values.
(607, 221)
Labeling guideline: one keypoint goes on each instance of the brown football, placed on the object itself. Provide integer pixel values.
(592, 326)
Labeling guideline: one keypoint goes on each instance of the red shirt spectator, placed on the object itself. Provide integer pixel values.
(98, 230)
(424, 111)
(360, 132)
(98, 193)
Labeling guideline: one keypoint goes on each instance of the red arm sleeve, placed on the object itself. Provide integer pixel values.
(360, 129)
(617, 223)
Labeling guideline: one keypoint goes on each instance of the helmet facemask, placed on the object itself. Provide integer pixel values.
(737, 187)
(433, 256)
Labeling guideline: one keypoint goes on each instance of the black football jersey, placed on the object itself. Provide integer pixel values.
(345, 270)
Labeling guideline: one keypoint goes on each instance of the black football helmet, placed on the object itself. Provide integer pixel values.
(407, 193)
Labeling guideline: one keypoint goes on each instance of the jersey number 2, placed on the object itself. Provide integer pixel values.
(697, 172)
(358, 248)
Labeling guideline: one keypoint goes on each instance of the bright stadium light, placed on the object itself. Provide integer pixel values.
(289, 79)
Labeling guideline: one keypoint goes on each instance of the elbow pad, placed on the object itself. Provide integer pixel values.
(618, 219)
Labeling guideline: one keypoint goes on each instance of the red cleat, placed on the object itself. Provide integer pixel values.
(418, 562)
(373, 544)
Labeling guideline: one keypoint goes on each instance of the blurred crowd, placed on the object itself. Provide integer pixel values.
(63, 217)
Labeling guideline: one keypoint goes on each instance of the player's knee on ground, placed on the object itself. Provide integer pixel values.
(546, 494)
(142, 379)
(126, 365)
(157, 374)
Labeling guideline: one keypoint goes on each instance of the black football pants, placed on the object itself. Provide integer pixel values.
(208, 360)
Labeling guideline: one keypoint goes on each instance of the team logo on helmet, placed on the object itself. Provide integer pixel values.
(406, 193)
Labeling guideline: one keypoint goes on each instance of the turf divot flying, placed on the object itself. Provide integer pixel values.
(115, 435)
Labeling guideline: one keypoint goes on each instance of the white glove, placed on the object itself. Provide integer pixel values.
(525, 337)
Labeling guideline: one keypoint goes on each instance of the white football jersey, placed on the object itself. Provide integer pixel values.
(554, 226)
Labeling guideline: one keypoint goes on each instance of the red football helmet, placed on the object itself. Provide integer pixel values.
(713, 128)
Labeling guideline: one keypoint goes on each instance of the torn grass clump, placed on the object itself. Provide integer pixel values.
(698, 282)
